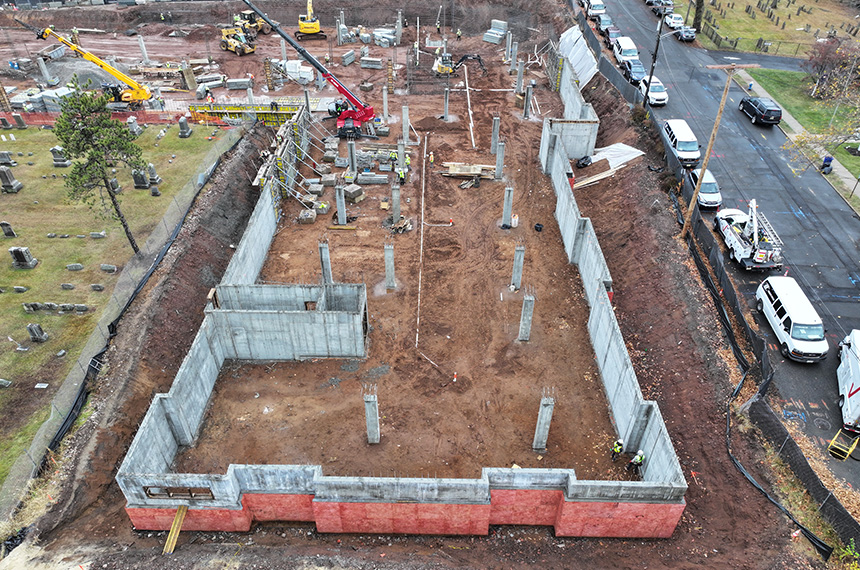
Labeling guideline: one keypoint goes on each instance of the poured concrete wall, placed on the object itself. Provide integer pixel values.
(246, 493)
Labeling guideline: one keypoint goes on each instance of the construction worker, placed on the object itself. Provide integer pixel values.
(431, 158)
(327, 59)
(161, 15)
(236, 18)
(170, 17)
(392, 157)
(617, 448)
(636, 463)
(408, 161)
(459, 34)
(438, 27)
(438, 51)
(402, 177)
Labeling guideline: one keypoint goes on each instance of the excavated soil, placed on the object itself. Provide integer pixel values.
(465, 327)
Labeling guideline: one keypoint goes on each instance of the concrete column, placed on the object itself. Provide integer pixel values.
(325, 263)
(44, 69)
(308, 101)
(526, 318)
(519, 258)
(494, 141)
(395, 202)
(633, 439)
(514, 49)
(398, 27)
(527, 101)
(405, 118)
(350, 153)
(508, 207)
(250, 96)
(336, 31)
(371, 415)
(320, 81)
(401, 154)
(550, 153)
(390, 282)
(142, 48)
(500, 159)
(445, 104)
(547, 403)
(508, 39)
(283, 50)
(385, 104)
(521, 66)
(341, 205)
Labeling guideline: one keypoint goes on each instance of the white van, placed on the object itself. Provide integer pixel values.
(624, 49)
(678, 138)
(848, 379)
(595, 8)
(798, 328)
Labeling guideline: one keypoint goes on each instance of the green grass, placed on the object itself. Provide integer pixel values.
(40, 208)
(849, 161)
(15, 444)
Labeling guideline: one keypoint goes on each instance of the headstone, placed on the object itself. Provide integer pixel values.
(6, 159)
(66, 286)
(60, 160)
(74, 267)
(81, 308)
(107, 268)
(154, 178)
(36, 333)
(67, 307)
(97, 287)
(133, 127)
(20, 289)
(114, 186)
(141, 179)
(184, 129)
(99, 235)
(51, 306)
(4, 122)
(154, 191)
(22, 258)
(19, 121)
(7, 230)
(9, 184)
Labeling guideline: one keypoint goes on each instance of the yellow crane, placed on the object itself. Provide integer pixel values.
(309, 25)
(134, 93)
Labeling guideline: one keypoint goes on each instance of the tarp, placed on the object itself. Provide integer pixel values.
(574, 48)
(617, 154)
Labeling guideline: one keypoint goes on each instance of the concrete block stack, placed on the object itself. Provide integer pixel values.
(348, 58)
(496, 33)
(316, 189)
(371, 62)
(307, 216)
(240, 83)
(371, 178)
(353, 193)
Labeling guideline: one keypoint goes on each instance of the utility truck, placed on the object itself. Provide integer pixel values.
(750, 238)
(848, 379)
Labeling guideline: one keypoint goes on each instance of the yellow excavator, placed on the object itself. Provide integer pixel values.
(309, 25)
(134, 93)
(233, 39)
(248, 21)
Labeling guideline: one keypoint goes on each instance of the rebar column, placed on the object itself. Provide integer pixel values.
(519, 258)
(308, 102)
(395, 203)
(340, 199)
(401, 154)
(398, 27)
(547, 403)
(526, 318)
(508, 39)
(390, 282)
(385, 105)
(514, 49)
(142, 48)
(521, 66)
(283, 50)
(320, 81)
(445, 98)
(350, 152)
(508, 207)
(527, 102)
(371, 415)
(500, 159)
(494, 141)
(325, 263)
(405, 117)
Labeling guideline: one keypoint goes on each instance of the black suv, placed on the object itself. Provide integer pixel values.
(633, 71)
(761, 110)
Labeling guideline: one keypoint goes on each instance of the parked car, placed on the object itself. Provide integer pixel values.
(709, 193)
(657, 94)
(761, 110)
(611, 34)
(663, 7)
(674, 21)
(633, 70)
(595, 8)
(685, 33)
(603, 22)
(624, 49)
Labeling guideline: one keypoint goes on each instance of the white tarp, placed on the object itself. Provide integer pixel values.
(617, 154)
(574, 48)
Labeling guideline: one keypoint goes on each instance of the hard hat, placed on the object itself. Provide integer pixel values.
(621, 441)
(640, 452)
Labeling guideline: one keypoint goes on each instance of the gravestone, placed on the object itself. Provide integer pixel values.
(4, 122)
(7, 230)
(154, 191)
(22, 258)
(97, 287)
(154, 178)
(75, 267)
(133, 127)
(67, 286)
(99, 235)
(59, 154)
(184, 129)
(20, 289)
(107, 268)
(141, 179)
(9, 184)
(114, 186)
(6, 159)
(19, 121)
(36, 333)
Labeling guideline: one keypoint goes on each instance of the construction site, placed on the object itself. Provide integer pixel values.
(417, 327)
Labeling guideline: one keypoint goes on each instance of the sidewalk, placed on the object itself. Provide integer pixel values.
(839, 171)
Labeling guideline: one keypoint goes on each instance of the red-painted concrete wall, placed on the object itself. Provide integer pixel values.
(528, 507)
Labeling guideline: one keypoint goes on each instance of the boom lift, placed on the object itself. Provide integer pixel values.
(309, 25)
(134, 94)
(352, 111)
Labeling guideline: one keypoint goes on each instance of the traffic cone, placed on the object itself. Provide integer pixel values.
(455, 376)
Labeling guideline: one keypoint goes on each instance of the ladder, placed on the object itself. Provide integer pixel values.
(390, 77)
(173, 535)
(771, 233)
(842, 445)
(267, 69)
(5, 104)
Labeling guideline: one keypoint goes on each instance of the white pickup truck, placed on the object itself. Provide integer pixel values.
(750, 238)
(848, 379)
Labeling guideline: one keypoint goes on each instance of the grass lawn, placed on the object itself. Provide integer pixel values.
(40, 208)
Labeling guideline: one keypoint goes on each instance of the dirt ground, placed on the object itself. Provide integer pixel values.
(666, 318)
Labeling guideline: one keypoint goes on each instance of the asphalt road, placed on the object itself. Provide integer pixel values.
(820, 231)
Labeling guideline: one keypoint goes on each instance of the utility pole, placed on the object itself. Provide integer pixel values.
(653, 61)
(731, 70)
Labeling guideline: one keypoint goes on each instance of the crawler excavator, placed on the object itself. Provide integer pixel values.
(444, 64)
(134, 94)
(309, 25)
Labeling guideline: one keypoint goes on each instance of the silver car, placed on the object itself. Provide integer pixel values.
(709, 193)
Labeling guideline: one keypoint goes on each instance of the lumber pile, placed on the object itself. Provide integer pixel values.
(463, 170)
